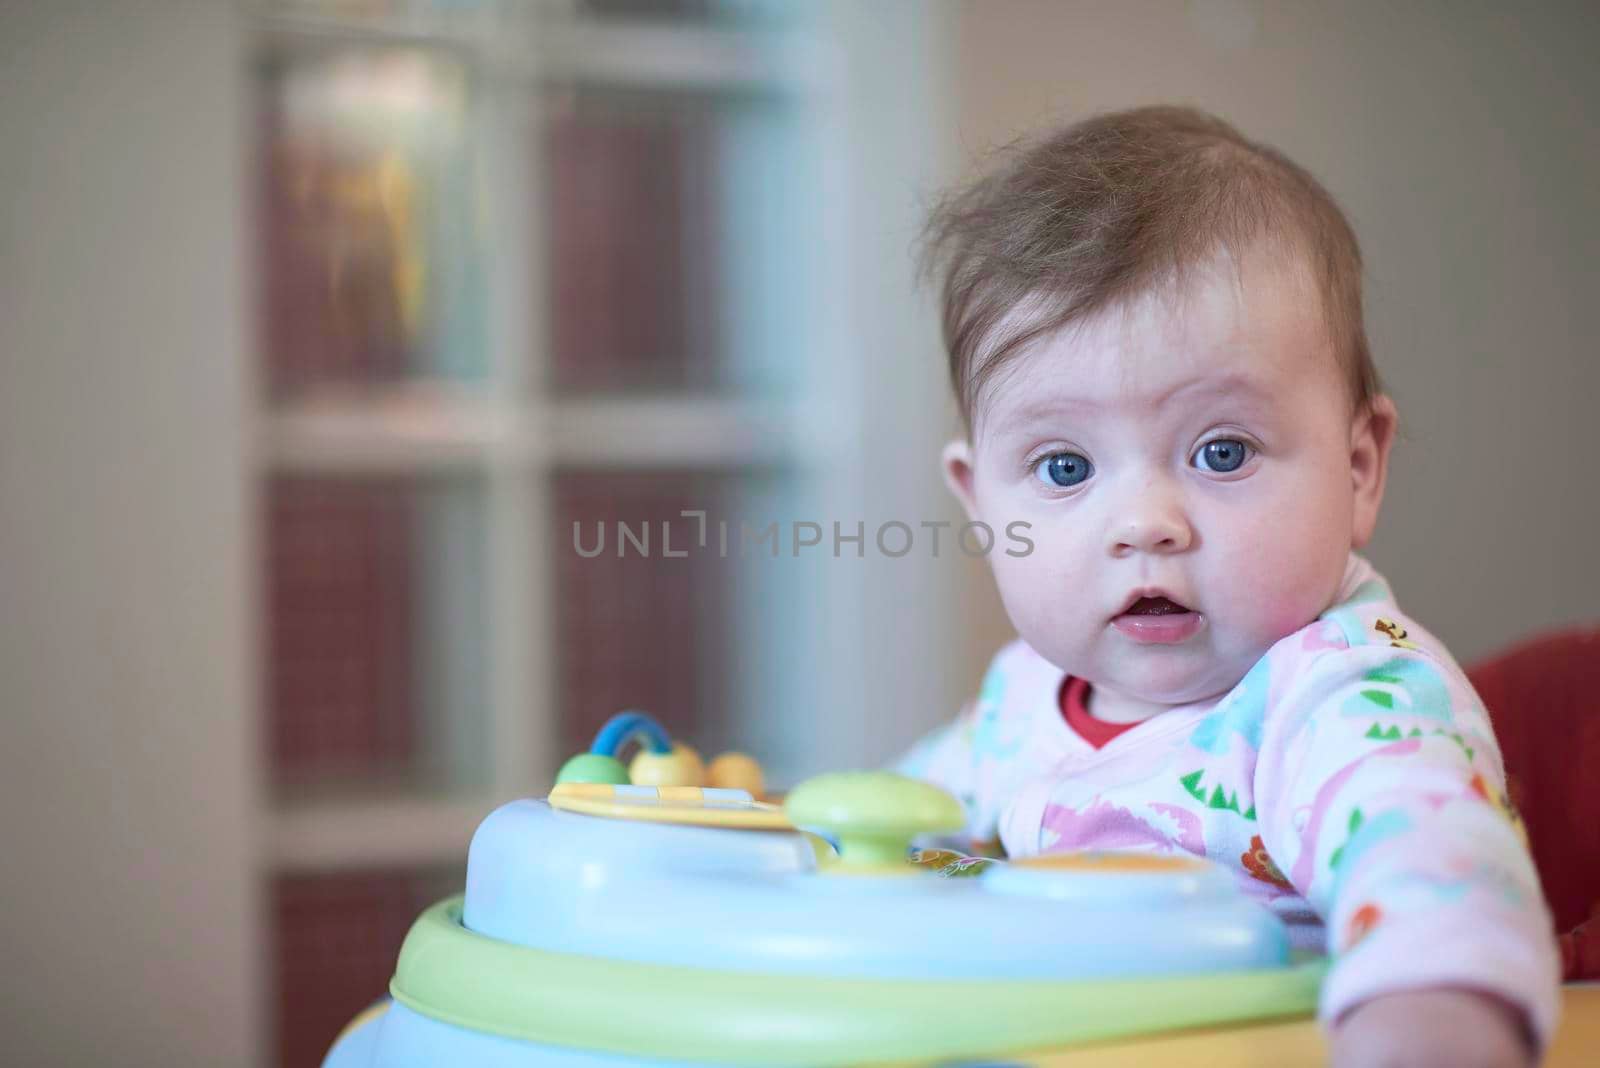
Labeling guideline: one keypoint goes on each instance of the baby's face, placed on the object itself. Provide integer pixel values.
(1194, 480)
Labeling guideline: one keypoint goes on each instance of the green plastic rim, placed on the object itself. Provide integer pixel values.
(650, 1010)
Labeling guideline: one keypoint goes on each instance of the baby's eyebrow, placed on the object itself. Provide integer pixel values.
(1042, 409)
(1234, 384)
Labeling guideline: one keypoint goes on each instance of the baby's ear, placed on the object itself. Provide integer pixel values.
(957, 460)
(1371, 437)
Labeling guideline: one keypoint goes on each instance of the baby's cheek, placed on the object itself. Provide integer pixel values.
(1041, 593)
(1284, 576)
(1028, 583)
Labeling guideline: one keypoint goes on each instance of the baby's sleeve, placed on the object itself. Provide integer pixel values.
(1382, 800)
(958, 758)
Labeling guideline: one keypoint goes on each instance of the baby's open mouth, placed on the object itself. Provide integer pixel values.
(1158, 621)
(1155, 606)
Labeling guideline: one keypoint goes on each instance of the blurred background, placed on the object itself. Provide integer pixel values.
(323, 323)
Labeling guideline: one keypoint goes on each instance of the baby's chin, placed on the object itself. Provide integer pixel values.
(1172, 694)
(1201, 668)
(1162, 679)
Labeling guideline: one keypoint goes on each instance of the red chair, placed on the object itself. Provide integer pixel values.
(1544, 699)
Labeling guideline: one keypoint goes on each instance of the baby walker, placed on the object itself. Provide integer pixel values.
(662, 913)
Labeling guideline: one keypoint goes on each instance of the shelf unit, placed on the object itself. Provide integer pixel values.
(503, 433)
(507, 430)
(444, 429)
(370, 832)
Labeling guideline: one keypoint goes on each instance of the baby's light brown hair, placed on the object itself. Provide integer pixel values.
(1092, 215)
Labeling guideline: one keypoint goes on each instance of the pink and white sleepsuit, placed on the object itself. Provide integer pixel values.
(1351, 782)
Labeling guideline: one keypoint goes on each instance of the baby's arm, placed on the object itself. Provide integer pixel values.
(947, 758)
(959, 758)
(1382, 799)
(1448, 1028)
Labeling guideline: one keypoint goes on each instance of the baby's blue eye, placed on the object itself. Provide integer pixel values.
(1064, 469)
(1222, 456)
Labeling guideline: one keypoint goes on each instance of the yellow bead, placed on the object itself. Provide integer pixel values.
(737, 771)
(681, 767)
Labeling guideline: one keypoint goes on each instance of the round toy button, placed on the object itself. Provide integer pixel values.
(1110, 879)
(873, 815)
(681, 767)
(736, 771)
(593, 767)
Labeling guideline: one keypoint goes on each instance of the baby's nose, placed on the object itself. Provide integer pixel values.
(1154, 523)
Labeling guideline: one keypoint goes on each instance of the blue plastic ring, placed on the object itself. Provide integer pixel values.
(624, 727)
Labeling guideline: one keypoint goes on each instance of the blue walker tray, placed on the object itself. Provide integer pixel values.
(618, 923)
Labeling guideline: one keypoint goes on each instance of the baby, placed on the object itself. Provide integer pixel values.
(1155, 332)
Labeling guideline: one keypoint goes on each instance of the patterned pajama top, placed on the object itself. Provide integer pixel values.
(1351, 782)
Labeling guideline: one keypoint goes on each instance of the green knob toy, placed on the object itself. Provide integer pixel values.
(873, 815)
(593, 767)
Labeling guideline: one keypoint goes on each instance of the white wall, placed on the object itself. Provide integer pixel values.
(124, 770)
(1464, 142)
(895, 621)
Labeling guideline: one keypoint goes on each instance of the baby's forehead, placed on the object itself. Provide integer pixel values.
(1227, 292)
(1248, 331)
